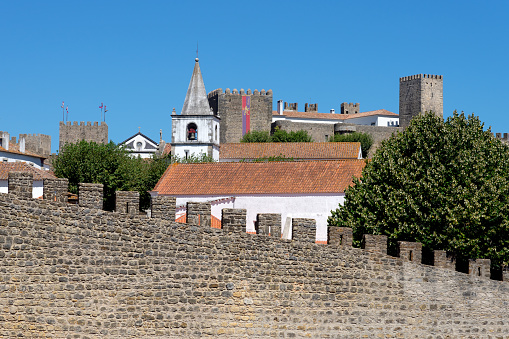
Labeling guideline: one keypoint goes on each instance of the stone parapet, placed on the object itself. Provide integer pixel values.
(268, 224)
(198, 213)
(127, 202)
(444, 260)
(480, 268)
(163, 207)
(90, 195)
(374, 243)
(340, 236)
(55, 189)
(304, 229)
(410, 251)
(233, 220)
(21, 184)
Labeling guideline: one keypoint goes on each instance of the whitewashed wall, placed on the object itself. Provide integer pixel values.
(318, 207)
(37, 188)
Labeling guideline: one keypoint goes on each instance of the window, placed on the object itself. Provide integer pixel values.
(215, 134)
(192, 131)
(138, 145)
(187, 153)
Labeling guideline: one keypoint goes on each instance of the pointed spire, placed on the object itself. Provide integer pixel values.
(196, 102)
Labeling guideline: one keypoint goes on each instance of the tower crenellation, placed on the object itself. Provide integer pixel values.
(75, 132)
(420, 93)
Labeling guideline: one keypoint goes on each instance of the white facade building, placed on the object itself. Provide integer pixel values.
(139, 145)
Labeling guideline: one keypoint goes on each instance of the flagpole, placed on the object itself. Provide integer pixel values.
(63, 111)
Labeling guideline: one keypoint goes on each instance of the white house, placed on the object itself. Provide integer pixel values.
(196, 129)
(139, 145)
(10, 152)
(298, 189)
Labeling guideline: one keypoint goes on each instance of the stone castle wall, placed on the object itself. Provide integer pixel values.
(37, 143)
(76, 132)
(318, 132)
(228, 106)
(80, 272)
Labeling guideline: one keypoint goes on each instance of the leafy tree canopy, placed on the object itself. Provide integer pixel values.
(279, 135)
(112, 166)
(365, 139)
(444, 184)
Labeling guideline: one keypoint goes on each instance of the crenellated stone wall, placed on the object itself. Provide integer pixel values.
(233, 219)
(269, 224)
(163, 207)
(21, 184)
(80, 272)
(55, 189)
(90, 195)
(127, 202)
(304, 229)
(198, 213)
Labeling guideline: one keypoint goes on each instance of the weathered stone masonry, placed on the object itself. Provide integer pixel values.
(71, 271)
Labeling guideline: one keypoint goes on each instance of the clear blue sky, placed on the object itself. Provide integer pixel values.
(137, 57)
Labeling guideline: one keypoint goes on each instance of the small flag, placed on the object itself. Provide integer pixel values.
(101, 105)
(62, 105)
(105, 110)
(67, 109)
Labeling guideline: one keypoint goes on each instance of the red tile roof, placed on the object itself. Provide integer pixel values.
(13, 148)
(6, 167)
(167, 149)
(334, 116)
(293, 177)
(296, 150)
(214, 222)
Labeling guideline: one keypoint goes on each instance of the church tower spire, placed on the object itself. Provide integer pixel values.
(196, 102)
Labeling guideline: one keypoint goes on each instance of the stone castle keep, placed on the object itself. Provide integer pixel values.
(76, 132)
(80, 272)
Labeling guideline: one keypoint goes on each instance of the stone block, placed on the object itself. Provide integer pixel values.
(304, 229)
(90, 195)
(198, 213)
(268, 224)
(21, 184)
(410, 251)
(163, 207)
(339, 236)
(127, 202)
(233, 219)
(55, 189)
(444, 260)
(480, 268)
(375, 243)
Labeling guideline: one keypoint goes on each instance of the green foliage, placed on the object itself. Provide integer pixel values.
(444, 184)
(256, 136)
(365, 139)
(279, 135)
(112, 166)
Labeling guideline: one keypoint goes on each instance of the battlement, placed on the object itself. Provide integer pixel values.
(420, 76)
(310, 107)
(503, 137)
(350, 108)
(77, 131)
(291, 106)
(219, 91)
(151, 277)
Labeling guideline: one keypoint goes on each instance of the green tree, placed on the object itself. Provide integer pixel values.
(112, 166)
(365, 139)
(256, 136)
(444, 184)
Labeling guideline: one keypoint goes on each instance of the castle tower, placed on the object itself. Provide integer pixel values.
(196, 129)
(418, 94)
(241, 112)
(76, 132)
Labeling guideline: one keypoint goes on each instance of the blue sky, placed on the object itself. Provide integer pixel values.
(137, 57)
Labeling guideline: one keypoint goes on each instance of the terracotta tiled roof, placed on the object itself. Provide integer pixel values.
(226, 178)
(214, 222)
(334, 116)
(296, 150)
(6, 167)
(15, 150)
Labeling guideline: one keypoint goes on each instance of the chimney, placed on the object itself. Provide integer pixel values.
(332, 111)
(280, 108)
(4, 140)
(22, 144)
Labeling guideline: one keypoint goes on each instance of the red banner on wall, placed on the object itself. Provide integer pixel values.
(246, 114)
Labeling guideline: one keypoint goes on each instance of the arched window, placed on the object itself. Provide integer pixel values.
(192, 131)
(215, 135)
